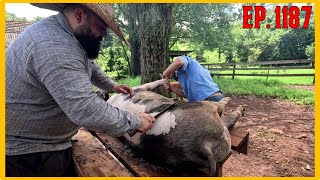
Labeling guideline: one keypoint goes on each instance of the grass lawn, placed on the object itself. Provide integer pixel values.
(292, 80)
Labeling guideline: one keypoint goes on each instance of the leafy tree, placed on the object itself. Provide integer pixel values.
(214, 31)
(38, 18)
(310, 51)
(204, 26)
(13, 17)
(113, 57)
(272, 44)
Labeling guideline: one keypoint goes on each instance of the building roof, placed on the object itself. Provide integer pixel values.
(173, 54)
(13, 29)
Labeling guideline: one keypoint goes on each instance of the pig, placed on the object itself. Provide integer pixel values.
(189, 134)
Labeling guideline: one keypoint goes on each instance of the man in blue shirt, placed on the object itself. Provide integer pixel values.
(194, 81)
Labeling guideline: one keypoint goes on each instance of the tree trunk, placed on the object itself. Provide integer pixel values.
(134, 38)
(219, 52)
(126, 57)
(135, 57)
(154, 30)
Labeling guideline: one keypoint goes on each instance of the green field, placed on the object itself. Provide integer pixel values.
(273, 87)
(265, 88)
(292, 80)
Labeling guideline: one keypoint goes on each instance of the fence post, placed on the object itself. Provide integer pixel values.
(314, 75)
(314, 79)
(234, 71)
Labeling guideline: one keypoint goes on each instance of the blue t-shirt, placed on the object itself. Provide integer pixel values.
(195, 80)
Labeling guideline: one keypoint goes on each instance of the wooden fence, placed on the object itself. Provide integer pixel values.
(216, 68)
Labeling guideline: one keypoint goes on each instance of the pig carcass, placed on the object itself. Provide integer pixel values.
(187, 135)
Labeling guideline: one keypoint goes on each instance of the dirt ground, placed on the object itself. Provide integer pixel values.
(281, 138)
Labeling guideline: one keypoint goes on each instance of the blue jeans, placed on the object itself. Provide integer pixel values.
(214, 98)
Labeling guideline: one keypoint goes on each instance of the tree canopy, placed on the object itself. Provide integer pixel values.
(214, 32)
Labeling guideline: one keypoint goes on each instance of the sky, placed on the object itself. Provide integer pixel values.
(28, 11)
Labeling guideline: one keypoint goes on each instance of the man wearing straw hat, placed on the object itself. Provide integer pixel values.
(49, 95)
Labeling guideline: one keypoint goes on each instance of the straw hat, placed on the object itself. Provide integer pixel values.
(104, 11)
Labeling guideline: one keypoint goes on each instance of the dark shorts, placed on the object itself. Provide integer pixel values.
(45, 164)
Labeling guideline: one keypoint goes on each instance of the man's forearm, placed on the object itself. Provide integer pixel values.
(173, 67)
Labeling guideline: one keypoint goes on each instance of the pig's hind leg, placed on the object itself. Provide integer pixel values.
(231, 119)
(207, 152)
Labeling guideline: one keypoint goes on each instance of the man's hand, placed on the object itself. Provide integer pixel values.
(122, 88)
(165, 75)
(146, 122)
(167, 86)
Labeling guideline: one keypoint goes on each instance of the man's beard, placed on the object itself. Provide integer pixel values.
(89, 43)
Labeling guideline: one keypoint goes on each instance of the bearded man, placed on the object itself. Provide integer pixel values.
(49, 90)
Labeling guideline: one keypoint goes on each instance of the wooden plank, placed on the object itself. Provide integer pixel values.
(237, 132)
(245, 146)
(239, 140)
(236, 142)
(92, 159)
(296, 61)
